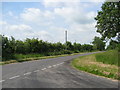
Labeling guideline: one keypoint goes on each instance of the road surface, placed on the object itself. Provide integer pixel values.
(51, 73)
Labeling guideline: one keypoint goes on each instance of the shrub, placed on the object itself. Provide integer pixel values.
(67, 52)
(76, 51)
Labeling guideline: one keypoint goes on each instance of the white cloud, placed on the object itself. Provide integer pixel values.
(3, 22)
(23, 31)
(42, 35)
(19, 27)
(61, 3)
(31, 14)
(91, 15)
(15, 30)
(75, 15)
(35, 15)
(58, 3)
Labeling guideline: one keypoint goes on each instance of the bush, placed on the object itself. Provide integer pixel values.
(9, 56)
(67, 52)
(76, 51)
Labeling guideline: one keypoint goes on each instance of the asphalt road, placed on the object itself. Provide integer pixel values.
(51, 73)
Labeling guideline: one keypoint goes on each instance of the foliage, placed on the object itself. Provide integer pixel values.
(98, 43)
(112, 45)
(108, 20)
(14, 49)
(86, 47)
(7, 49)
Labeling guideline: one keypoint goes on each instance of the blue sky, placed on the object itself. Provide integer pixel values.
(48, 20)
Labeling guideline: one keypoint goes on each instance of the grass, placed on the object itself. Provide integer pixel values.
(97, 66)
(24, 56)
(35, 56)
(110, 57)
(31, 57)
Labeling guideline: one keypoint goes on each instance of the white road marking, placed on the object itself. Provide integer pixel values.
(2, 81)
(58, 64)
(54, 65)
(43, 68)
(31, 72)
(27, 73)
(62, 63)
(49, 66)
(36, 70)
(14, 77)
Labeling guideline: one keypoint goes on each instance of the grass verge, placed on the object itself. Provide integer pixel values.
(31, 57)
(109, 57)
(99, 64)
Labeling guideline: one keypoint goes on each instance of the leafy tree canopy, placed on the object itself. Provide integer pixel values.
(108, 20)
(98, 43)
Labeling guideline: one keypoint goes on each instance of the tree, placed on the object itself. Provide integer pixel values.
(12, 43)
(20, 47)
(11, 47)
(69, 45)
(86, 47)
(113, 45)
(77, 46)
(98, 43)
(7, 49)
(108, 20)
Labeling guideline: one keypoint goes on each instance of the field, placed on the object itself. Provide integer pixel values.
(102, 64)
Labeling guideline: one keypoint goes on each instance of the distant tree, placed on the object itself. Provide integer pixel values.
(20, 47)
(12, 43)
(108, 20)
(11, 47)
(77, 46)
(98, 43)
(7, 49)
(69, 45)
(59, 46)
(86, 47)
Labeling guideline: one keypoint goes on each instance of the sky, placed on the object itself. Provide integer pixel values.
(48, 20)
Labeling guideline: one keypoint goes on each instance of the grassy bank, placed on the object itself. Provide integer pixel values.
(31, 57)
(110, 57)
(102, 64)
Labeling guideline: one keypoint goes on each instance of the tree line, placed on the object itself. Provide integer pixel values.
(10, 47)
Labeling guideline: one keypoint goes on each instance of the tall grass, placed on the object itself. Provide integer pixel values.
(103, 64)
(24, 56)
(109, 57)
